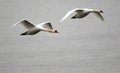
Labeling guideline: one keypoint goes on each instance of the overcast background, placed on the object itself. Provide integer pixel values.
(86, 45)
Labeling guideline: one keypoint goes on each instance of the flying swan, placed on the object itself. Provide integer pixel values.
(34, 29)
(82, 12)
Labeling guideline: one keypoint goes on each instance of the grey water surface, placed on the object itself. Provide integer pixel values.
(85, 45)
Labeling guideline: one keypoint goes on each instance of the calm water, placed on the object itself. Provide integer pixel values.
(82, 46)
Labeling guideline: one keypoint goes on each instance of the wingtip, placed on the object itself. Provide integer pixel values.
(18, 22)
(13, 25)
(61, 21)
(102, 19)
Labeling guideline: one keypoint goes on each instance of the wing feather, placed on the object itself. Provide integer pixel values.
(47, 25)
(25, 23)
(99, 15)
(68, 14)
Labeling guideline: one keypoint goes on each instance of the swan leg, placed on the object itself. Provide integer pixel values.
(73, 17)
(25, 33)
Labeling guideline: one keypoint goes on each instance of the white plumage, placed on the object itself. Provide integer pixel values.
(33, 29)
(82, 12)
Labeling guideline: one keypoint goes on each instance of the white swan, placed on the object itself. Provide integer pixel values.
(80, 13)
(33, 29)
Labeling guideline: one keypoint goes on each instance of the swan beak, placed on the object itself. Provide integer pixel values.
(56, 31)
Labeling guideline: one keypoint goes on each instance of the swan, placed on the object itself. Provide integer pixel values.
(82, 12)
(34, 29)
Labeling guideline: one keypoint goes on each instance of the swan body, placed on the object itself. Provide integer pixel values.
(82, 12)
(34, 29)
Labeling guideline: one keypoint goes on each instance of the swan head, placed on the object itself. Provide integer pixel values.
(52, 31)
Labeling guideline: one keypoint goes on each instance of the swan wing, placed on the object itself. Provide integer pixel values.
(25, 23)
(68, 14)
(99, 15)
(47, 25)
